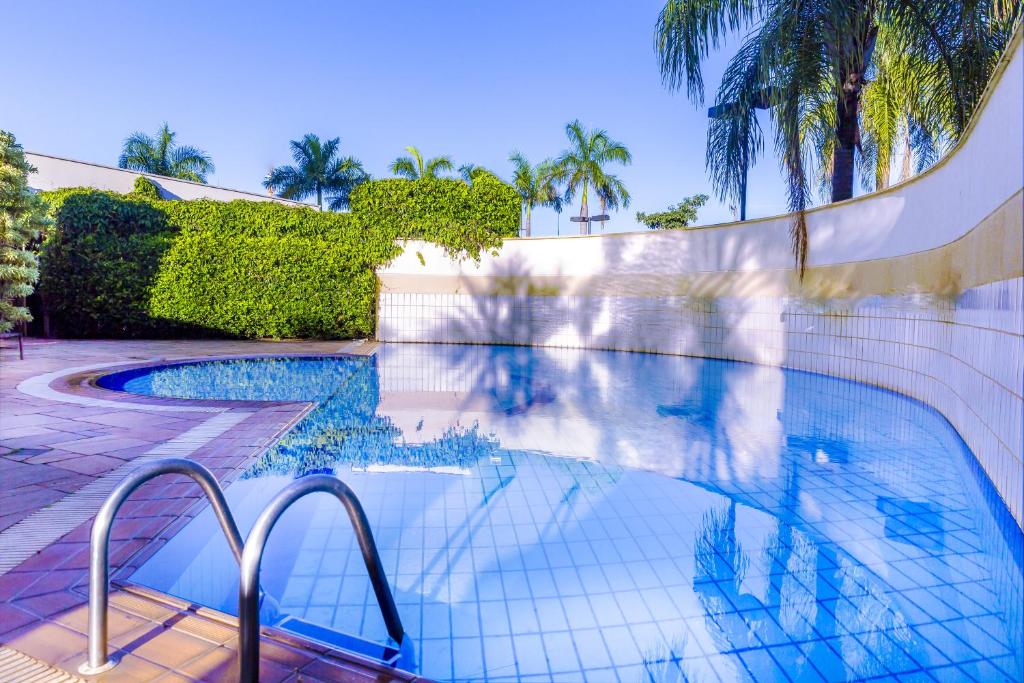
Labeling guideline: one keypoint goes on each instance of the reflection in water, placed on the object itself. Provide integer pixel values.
(614, 516)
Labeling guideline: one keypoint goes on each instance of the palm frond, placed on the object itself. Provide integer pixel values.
(161, 156)
(290, 182)
(614, 193)
(437, 165)
(405, 167)
(851, 82)
(319, 171)
(735, 140)
(190, 163)
(582, 164)
(687, 30)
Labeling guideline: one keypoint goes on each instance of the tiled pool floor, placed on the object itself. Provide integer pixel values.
(565, 515)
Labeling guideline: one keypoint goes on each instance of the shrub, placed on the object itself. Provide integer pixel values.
(144, 188)
(679, 215)
(99, 262)
(134, 266)
(280, 285)
(462, 218)
(22, 216)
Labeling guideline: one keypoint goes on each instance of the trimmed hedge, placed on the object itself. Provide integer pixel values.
(137, 266)
(98, 262)
(274, 285)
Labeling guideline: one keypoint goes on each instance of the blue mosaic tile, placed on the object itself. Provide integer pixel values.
(562, 516)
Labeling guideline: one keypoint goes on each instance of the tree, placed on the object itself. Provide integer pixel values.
(583, 165)
(319, 171)
(414, 167)
(896, 118)
(679, 215)
(22, 218)
(536, 185)
(162, 156)
(613, 194)
(813, 61)
(470, 172)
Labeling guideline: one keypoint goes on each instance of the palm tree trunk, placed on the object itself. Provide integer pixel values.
(908, 153)
(847, 106)
(604, 208)
(526, 233)
(846, 143)
(584, 225)
(319, 197)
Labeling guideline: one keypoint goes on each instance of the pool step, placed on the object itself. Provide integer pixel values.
(379, 652)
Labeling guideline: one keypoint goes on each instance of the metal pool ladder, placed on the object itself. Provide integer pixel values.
(248, 585)
(99, 568)
(248, 554)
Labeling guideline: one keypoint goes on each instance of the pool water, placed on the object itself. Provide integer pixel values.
(561, 515)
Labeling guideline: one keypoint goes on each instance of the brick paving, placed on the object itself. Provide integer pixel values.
(64, 435)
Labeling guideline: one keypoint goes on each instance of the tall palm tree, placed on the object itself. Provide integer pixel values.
(583, 165)
(536, 185)
(162, 156)
(415, 167)
(811, 62)
(319, 171)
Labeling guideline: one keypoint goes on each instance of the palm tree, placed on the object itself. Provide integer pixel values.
(319, 171)
(161, 156)
(810, 63)
(414, 167)
(896, 117)
(613, 195)
(536, 185)
(583, 165)
(470, 172)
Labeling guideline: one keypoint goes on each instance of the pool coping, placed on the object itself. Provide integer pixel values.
(79, 385)
(271, 633)
(87, 383)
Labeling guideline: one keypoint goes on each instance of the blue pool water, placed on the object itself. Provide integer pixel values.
(557, 515)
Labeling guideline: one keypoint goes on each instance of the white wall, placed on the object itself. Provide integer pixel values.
(53, 173)
(926, 212)
(918, 288)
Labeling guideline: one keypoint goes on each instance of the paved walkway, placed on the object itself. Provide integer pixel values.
(63, 444)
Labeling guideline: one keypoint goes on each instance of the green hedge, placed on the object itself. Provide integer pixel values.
(459, 217)
(98, 263)
(138, 266)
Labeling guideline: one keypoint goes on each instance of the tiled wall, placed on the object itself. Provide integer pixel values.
(962, 355)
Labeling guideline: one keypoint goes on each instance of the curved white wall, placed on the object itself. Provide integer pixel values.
(917, 288)
(926, 212)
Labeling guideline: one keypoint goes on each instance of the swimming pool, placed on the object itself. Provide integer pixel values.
(561, 515)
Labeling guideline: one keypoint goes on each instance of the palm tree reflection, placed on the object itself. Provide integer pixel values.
(815, 595)
(345, 429)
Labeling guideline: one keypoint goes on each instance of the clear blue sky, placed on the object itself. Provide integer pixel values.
(474, 80)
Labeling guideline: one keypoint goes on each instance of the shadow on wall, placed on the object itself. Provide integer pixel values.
(618, 310)
(508, 313)
(164, 192)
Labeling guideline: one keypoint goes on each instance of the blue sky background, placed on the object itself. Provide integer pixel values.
(474, 80)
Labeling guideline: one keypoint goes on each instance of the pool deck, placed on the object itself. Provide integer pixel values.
(63, 445)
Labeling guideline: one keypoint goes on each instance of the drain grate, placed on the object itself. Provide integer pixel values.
(17, 667)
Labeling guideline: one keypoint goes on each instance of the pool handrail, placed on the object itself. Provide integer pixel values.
(252, 555)
(99, 570)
